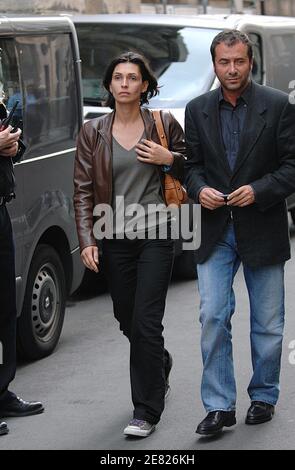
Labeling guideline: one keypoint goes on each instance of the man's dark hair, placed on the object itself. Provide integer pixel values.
(146, 73)
(230, 37)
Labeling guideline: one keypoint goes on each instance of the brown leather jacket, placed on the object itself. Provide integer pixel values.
(93, 165)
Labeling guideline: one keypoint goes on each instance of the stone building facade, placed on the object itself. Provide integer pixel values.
(269, 7)
(70, 6)
(279, 7)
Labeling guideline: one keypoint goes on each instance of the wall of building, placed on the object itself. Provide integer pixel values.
(271, 7)
(279, 7)
(71, 6)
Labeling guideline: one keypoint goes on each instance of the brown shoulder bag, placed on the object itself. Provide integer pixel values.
(174, 192)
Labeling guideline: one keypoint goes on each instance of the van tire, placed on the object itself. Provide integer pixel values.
(40, 324)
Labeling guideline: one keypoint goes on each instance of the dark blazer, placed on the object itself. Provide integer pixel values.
(266, 160)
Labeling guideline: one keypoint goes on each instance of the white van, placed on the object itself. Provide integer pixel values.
(178, 49)
(40, 70)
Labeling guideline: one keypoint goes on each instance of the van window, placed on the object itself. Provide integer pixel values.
(9, 80)
(48, 79)
(281, 63)
(179, 56)
(257, 71)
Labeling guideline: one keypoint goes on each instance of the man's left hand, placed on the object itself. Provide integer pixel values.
(241, 197)
(10, 151)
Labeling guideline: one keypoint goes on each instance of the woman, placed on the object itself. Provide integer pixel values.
(119, 159)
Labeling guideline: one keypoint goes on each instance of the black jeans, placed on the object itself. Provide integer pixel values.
(7, 305)
(139, 272)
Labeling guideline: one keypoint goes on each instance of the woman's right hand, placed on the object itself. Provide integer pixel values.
(90, 258)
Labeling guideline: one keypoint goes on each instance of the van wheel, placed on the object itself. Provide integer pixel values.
(185, 265)
(40, 324)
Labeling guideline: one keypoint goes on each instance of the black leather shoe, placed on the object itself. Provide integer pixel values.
(18, 407)
(3, 429)
(214, 422)
(259, 412)
(167, 368)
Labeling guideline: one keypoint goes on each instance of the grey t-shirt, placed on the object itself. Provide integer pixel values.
(136, 183)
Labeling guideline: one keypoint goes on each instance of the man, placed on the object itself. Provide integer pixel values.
(240, 168)
(11, 150)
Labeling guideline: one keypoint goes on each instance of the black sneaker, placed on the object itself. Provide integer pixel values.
(167, 367)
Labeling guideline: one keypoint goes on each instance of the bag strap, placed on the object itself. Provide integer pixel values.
(160, 128)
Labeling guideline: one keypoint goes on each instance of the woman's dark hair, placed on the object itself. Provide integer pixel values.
(231, 37)
(146, 73)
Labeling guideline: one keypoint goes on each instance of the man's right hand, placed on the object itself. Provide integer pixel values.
(211, 198)
(90, 258)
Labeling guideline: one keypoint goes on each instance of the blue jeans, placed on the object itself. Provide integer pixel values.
(265, 287)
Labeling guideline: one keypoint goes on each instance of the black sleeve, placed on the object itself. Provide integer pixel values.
(20, 152)
(194, 166)
(275, 187)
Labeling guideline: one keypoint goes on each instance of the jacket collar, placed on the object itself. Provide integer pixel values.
(252, 94)
(245, 96)
(253, 126)
(106, 124)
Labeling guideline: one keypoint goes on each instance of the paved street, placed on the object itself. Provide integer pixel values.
(85, 383)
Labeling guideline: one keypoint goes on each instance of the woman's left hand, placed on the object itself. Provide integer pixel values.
(150, 152)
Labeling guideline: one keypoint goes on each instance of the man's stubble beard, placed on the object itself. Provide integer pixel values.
(236, 87)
